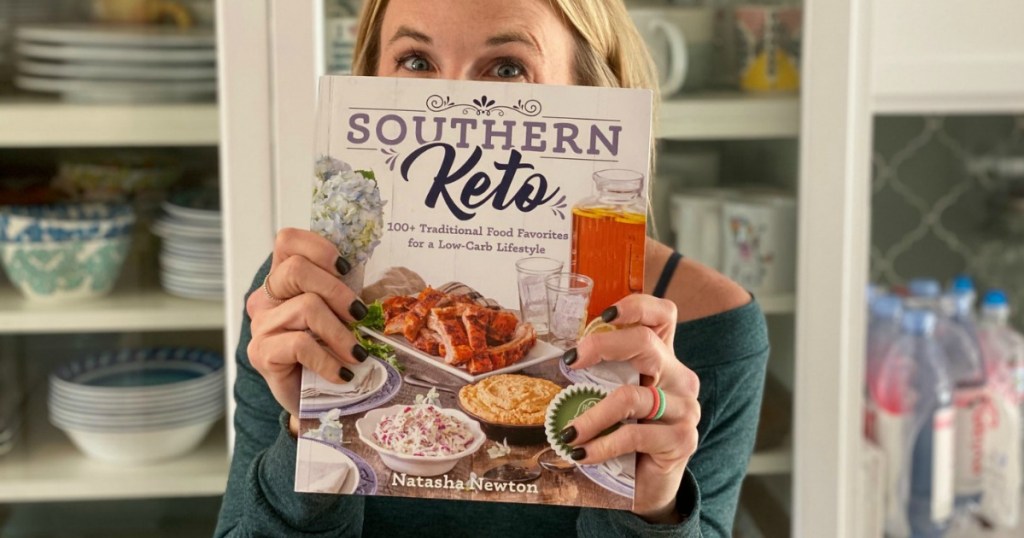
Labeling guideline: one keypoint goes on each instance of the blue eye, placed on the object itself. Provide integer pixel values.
(508, 70)
(415, 63)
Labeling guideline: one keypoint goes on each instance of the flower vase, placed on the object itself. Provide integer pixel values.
(354, 278)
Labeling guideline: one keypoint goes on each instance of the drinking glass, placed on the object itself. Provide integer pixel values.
(568, 297)
(533, 299)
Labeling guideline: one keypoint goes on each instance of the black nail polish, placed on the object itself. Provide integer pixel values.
(568, 435)
(610, 314)
(342, 266)
(346, 374)
(358, 310)
(360, 353)
(578, 453)
(569, 357)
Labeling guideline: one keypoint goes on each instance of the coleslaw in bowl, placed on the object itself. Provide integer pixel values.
(420, 440)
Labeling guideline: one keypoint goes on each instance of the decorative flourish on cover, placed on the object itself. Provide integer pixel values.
(484, 106)
(559, 206)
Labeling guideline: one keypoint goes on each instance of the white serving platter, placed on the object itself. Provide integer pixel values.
(109, 35)
(541, 352)
(113, 54)
(119, 91)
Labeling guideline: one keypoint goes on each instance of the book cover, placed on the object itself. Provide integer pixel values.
(488, 225)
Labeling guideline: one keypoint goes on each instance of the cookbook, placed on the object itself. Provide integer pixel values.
(487, 226)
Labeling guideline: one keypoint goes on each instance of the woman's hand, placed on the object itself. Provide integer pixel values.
(644, 339)
(299, 317)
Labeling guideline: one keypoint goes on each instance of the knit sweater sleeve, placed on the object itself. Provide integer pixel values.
(260, 499)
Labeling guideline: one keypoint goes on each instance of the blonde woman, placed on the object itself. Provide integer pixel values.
(700, 337)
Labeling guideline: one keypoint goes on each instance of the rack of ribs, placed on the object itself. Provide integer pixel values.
(459, 329)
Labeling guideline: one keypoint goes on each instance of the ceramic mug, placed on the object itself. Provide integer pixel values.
(759, 242)
(141, 12)
(698, 26)
(697, 224)
(667, 44)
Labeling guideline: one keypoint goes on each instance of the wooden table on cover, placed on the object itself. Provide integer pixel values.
(568, 488)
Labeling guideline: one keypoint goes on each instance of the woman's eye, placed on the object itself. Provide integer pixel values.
(508, 70)
(416, 63)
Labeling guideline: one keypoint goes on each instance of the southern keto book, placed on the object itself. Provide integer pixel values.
(487, 225)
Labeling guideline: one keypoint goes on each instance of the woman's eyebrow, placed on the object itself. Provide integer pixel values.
(513, 37)
(405, 31)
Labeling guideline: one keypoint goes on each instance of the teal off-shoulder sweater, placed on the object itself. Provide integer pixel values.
(728, 352)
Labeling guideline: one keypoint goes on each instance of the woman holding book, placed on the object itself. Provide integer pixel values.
(694, 334)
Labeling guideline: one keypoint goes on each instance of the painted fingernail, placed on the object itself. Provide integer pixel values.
(360, 353)
(569, 357)
(610, 313)
(358, 310)
(578, 453)
(342, 266)
(346, 374)
(568, 435)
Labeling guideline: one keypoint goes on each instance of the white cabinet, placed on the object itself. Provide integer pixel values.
(44, 465)
(934, 56)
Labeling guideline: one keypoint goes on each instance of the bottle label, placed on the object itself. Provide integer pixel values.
(942, 463)
(1018, 377)
(970, 437)
(889, 431)
(1000, 501)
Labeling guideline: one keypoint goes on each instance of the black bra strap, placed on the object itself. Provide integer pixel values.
(666, 274)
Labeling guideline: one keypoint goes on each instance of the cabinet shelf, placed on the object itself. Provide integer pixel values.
(729, 116)
(772, 461)
(777, 304)
(39, 122)
(127, 310)
(47, 467)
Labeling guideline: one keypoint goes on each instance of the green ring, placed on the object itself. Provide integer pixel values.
(661, 404)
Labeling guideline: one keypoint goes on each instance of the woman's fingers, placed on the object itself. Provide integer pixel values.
(309, 312)
(632, 402)
(279, 353)
(659, 315)
(296, 276)
(310, 245)
(638, 345)
(664, 442)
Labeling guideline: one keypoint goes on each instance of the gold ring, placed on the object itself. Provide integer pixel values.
(266, 289)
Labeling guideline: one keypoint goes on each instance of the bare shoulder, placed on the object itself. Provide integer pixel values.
(697, 290)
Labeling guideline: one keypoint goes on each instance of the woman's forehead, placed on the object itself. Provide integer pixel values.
(473, 22)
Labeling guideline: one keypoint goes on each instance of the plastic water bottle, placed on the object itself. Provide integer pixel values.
(930, 504)
(959, 339)
(1003, 461)
(956, 333)
(883, 331)
(889, 405)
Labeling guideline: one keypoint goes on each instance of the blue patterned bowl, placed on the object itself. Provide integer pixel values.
(65, 222)
(65, 270)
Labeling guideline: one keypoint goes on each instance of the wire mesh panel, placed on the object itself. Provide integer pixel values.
(939, 191)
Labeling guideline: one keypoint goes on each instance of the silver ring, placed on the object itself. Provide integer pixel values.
(266, 289)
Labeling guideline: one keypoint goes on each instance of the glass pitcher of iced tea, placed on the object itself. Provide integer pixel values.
(608, 237)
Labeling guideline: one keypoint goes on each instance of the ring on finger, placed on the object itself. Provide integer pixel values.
(658, 407)
(266, 290)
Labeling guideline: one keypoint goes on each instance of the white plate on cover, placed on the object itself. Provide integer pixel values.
(120, 91)
(319, 468)
(115, 35)
(99, 71)
(541, 352)
(117, 55)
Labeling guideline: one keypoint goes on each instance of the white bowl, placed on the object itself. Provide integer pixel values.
(417, 465)
(138, 395)
(140, 447)
(112, 425)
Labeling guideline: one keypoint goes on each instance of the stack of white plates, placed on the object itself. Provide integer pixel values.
(136, 406)
(192, 253)
(117, 63)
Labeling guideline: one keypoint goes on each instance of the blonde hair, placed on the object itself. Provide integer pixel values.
(609, 49)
